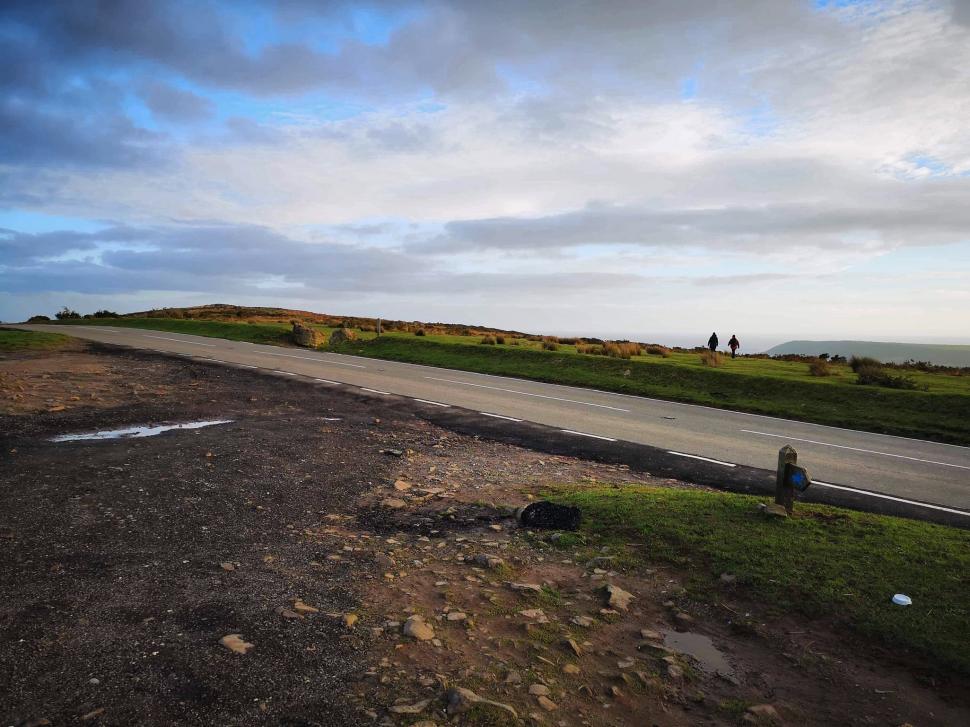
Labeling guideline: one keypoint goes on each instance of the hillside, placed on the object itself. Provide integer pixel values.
(939, 354)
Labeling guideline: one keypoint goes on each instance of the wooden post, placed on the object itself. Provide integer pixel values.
(784, 492)
(378, 326)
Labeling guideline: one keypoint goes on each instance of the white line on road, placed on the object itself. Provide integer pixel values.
(526, 393)
(705, 459)
(584, 434)
(375, 391)
(327, 381)
(285, 373)
(318, 360)
(434, 403)
(890, 497)
(247, 366)
(179, 340)
(499, 416)
(857, 449)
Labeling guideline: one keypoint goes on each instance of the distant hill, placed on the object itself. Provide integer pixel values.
(939, 354)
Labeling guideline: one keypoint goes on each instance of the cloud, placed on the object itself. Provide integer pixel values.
(175, 104)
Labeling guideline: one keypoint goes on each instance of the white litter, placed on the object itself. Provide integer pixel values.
(135, 432)
(901, 599)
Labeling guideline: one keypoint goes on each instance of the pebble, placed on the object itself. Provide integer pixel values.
(416, 628)
(547, 704)
(617, 597)
(539, 690)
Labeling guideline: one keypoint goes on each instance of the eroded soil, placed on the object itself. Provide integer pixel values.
(314, 525)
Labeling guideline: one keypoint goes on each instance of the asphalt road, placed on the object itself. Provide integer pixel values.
(897, 467)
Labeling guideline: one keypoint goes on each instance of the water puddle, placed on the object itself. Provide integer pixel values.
(135, 432)
(702, 649)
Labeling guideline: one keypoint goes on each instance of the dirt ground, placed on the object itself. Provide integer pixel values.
(315, 525)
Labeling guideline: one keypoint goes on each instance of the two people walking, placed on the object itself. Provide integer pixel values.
(734, 344)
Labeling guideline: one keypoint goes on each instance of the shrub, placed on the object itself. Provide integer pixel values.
(66, 313)
(710, 358)
(836, 359)
(105, 314)
(38, 319)
(550, 346)
(419, 332)
(488, 340)
(860, 362)
(655, 349)
(500, 340)
(819, 367)
(875, 376)
(589, 349)
(567, 341)
(550, 339)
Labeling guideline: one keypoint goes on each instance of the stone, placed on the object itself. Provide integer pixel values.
(457, 616)
(547, 704)
(762, 714)
(774, 510)
(301, 607)
(601, 561)
(535, 614)
(683, 619)
(393, 503)
(513, 677)
(544, 514)
(487, 560)
(460, 700)
(526, 587)
(229, 567)
(675, 671)
(625, 663)
(651, 635)
(93, 714)
(235, 643)
(416, 708)
(570, 669)
(402, 486)
(342, 335)
(539, 690)
(573, 647)
(289, 615)
(617, 597)
(416, 628)
(306, 336)
(584, 621)
(350, 620)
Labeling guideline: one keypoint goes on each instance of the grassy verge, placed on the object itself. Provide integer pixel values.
(14, 340)
(777, 388)
(909, 413)
(824, 562)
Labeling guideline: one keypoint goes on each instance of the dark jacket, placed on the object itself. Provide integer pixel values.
(712, 341)
(734, 342)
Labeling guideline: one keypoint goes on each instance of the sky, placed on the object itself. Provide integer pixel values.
(779, 169)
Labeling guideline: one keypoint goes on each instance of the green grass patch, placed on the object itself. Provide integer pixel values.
(824, 562)
(14, 340)
(270, 333)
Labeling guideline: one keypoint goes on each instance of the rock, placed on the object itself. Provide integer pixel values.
(513, 677)
(416, 628)
(289, 615)
(570, 669)
(538, 690)
(384, 561)
(306, 336)
(229, 567)
(235, 643)
(496, 527)
(393, 503)
(457, 616)
(393, 452)
(416, 708)
(461, 700)
(545, 514)
(402, 486)
(761, 714)
(535, 614)
(602, 561)
(547, 704)
(93, 714)
(301, 607)
(487, 560)
(56, 407)
(675, 671)
(683, 620)
(526, 587)
(617, 597)
(342, 335)
(625, 663)
(350, 620)
(774, 510)
(651, 635)
(584, 621)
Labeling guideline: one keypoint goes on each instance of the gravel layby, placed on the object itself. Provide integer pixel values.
(330, 558)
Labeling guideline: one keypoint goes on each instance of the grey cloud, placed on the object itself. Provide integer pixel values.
(175, 104)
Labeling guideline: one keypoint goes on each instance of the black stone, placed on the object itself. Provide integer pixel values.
(550, 515)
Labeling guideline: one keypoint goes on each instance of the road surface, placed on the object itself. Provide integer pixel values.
(897, 467)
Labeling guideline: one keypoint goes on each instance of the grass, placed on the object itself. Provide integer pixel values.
(14, 340)
(937, 409)
(822, 563)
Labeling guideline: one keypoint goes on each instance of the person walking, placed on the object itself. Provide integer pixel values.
(734, 344)
(712, 342)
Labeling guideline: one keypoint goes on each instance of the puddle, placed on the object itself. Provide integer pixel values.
(135, 432)
(702, 649)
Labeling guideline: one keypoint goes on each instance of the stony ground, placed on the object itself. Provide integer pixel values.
(373, 563)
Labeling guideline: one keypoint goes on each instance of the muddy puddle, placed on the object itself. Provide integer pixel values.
(136, 432)
(702, 649)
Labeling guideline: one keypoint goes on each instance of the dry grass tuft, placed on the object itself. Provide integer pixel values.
(711, 358)
(550, 346)
(488, 340)
(819, 367)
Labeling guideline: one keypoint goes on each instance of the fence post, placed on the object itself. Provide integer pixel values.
(784, 492)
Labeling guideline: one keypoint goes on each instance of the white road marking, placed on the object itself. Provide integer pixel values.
(526, 393)
(584, 434)
(326, 381)
(375, 391)
(705, 459)
(285, 373)
(499, 416)
(247, 366)
(318, 360)
(434, 403)
(890, 497)
(179, 340)
(857, 449)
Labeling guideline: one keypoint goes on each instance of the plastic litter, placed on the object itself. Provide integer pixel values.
(901, 599)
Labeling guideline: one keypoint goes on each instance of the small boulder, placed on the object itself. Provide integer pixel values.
(416, 628)
(761, 714)
(416, 708)
(306, 336)
(617, 597)
(393, 503)
(342, 335)
(235, 643)
(487, 560)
